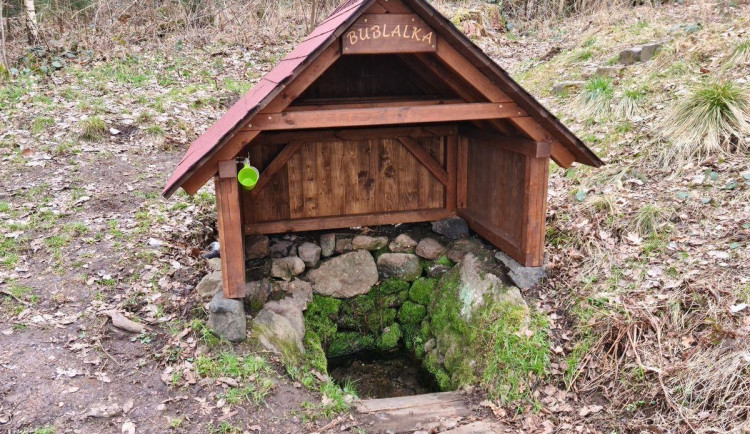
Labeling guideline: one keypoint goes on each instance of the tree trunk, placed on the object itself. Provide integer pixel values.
(31, 24)
(3, 59)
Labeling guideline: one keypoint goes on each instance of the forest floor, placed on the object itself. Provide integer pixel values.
(649, 265)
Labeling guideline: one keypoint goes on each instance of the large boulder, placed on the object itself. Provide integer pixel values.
(289, 308)
(287, 268)
(404, 266)
(227, 318)
(523, 277)
(309, 253)
(345, 276)
(366, 242)
(430, 249)
(476, 286)
(402, 244)
(210, 285)
(327, 244)
(277, 334)
(451, 227)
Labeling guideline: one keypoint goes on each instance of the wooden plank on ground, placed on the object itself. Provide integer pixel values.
(480, 427)
(407, 413)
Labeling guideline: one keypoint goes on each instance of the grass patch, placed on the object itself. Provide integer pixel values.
(252, 373)
(595, 100)
(740, 55)
(629, 104)
(711, 119)
(41, 123)
(93, 129)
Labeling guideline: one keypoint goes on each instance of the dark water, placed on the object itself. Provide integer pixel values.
(381, 375)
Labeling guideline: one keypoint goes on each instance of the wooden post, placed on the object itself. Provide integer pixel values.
(536, 180)
(231, 234)
(450, 191)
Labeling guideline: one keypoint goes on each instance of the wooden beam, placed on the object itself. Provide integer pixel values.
(425, 158)
(229, 225)
(281, 137)
(517, 144)
(382, 116)
(492, 234)
(462, 172)
(528, 125)
(236, 142)
(451, 159)
(349, 221)
(274, 166)
(534, 220)
(359, 103)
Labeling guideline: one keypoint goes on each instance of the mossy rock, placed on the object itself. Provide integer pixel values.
(321, 316)
(344, 343)
(390, 337)
(432, 364)
(314, 352)
(410, 334)
(393, 285)
(411, 313)
(422, 290)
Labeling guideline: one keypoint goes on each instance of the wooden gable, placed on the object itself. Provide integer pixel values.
(384, 114)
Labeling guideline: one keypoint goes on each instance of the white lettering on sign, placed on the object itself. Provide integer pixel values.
(382, 31)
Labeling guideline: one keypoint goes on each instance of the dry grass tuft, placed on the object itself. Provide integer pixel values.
(712, 119)
(630, 104)
(740, 55)
(595, 100)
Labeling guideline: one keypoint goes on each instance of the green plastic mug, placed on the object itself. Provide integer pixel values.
(248, 177)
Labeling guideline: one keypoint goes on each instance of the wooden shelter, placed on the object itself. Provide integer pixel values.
(385, 114)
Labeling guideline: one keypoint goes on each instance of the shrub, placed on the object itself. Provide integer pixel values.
(712, 119)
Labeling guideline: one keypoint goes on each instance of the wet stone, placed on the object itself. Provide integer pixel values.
(327, 244)
(257, 247)
(451, 227)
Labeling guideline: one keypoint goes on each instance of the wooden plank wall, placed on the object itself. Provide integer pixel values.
(346, 177)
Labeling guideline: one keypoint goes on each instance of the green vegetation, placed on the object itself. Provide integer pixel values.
(422, 290)
(251, 371)
(94, 129)
(707, 122)
(595, 99)
(740, 55)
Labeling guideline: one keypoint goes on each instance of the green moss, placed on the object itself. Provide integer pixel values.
(321, 316)
(422, 290)
(411, 313)
(344, 343)
(314, 352)
(443, 260)
(432, 365)
(410, 335)
(445, 310)
(389, 339)
(393, 285)
(519, 354)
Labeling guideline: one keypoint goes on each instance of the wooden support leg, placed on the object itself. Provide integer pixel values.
(535, 210)
(231, 234)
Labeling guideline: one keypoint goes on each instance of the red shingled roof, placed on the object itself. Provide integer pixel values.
(328, 31)
(257, 97)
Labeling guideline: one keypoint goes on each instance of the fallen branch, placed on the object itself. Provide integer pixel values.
(121, 322)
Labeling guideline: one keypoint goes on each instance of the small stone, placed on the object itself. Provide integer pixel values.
(309, 253)
(281, 249)
(648, 51)
(214, 264)
(257, 247)
(300, 290)
(630, 56)
(287, 268)
(153, 242)
(403, 244)
(365, 242)
(430, 249)
(257, 292)
(522, 277)
(227, 318)
(210, 284)
(461, 247)
(343, 245)
(437, 270)
(607, 71)
(327, 244)
(451, 227)
(403, 266)
(345, 276)
(429, 345)
(566, 86)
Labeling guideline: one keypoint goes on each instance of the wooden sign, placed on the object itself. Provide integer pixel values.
(389, 33)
